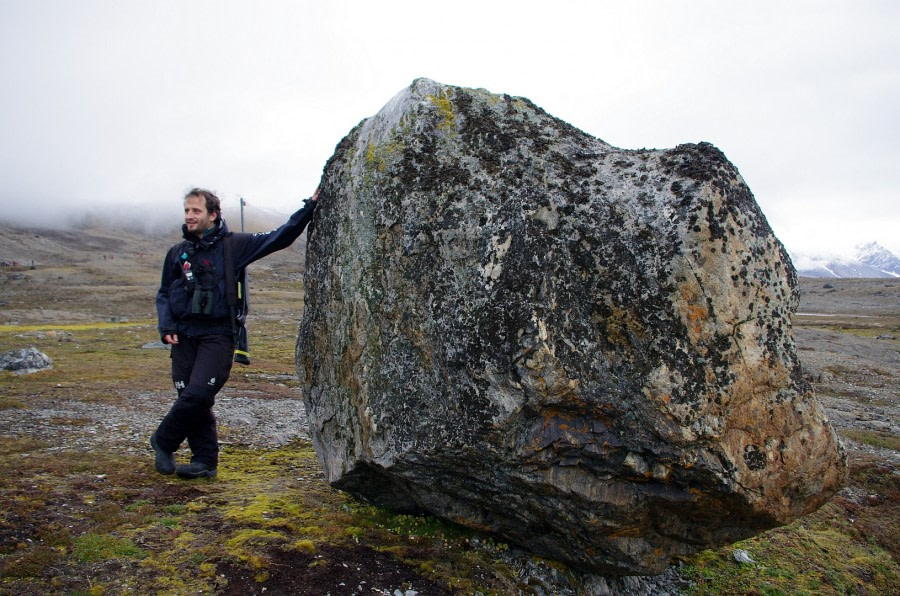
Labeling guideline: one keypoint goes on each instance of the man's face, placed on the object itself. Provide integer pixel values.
(196, 217)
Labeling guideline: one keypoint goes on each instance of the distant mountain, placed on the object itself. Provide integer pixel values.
(871, 260)
(878, 257)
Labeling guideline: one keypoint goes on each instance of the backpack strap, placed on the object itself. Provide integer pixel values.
(230, 282)
(236, 295)
(234, 243)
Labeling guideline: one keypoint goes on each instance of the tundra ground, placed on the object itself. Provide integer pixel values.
(83, 512)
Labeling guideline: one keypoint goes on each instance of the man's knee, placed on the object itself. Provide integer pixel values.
(199, 395)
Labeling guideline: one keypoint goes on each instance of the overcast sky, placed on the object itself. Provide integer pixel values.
(126, 105)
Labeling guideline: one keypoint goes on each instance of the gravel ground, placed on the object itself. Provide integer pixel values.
(857, 380)
(246, 418)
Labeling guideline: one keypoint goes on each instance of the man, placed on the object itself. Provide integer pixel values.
(196, 320)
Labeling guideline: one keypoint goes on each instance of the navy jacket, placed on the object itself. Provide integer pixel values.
(176, 302)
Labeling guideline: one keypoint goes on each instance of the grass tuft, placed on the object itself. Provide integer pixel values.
(875, 438)
(100, 547)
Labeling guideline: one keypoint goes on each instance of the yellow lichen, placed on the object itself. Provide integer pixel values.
(185, 540)
(380, 155)
(443, 104)
(72, 326)
(246, 543)
(267, 511)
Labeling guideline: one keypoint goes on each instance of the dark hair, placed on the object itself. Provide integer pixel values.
(213, 205)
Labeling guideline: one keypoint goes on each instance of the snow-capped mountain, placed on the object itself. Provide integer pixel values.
(871, 260)
(878, 257)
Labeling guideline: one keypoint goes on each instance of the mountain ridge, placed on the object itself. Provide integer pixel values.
(871, 260)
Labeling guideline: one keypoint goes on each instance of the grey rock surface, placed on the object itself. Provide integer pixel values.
(25, 361)
(586, 350)
(156, 345)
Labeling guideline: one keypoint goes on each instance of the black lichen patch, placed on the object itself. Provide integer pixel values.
(754, 457)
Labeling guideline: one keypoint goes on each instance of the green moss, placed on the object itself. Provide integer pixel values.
(138, 505)
(783, 556)
(100, 547)
(306, 546)
(407, 525)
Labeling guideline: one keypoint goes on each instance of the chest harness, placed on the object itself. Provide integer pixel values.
(200, 278)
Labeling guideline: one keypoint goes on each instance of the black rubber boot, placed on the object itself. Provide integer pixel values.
(196, 470)
(165, 461)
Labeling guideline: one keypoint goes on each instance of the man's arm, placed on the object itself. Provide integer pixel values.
(166, 325)
(261, 245)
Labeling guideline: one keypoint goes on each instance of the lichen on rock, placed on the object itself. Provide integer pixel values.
(25, 361)
(587, 350)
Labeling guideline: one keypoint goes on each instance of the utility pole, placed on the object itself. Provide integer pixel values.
(243, 202)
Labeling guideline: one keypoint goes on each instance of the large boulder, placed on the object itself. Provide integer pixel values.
(586, 350)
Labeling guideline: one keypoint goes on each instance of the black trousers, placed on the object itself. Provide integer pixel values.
(200, 367)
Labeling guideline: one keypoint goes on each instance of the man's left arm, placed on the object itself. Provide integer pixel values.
(263, 244)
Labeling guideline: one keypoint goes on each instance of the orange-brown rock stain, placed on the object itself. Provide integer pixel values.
(697, 315)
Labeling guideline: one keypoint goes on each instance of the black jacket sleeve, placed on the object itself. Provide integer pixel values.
(166, 324)
(260, 245)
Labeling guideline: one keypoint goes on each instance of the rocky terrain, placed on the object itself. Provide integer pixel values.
(847, 331)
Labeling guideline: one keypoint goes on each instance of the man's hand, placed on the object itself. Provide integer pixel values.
(171, 338)
(315, 196)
